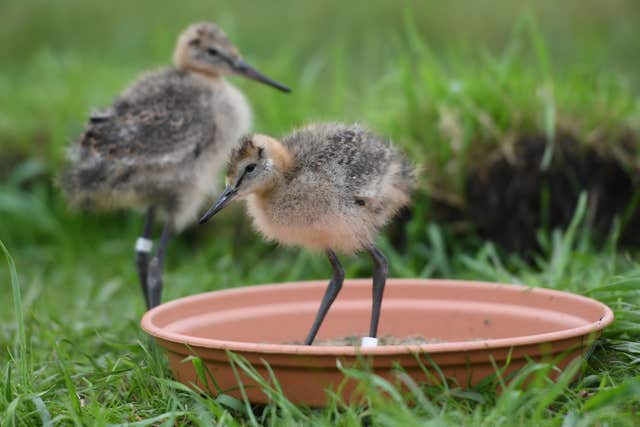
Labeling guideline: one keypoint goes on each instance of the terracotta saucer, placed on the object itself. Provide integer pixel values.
(466, 323)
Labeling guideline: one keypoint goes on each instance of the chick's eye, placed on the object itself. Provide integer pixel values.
(212, 51)
(250, 167)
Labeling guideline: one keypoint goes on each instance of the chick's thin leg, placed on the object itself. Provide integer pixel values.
(335, 284)
(143, 249)
(380, 272)
(156, 267)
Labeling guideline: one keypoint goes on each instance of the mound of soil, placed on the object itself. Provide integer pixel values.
(509, 200)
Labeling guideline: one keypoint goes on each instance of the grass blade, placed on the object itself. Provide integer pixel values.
(20, 345)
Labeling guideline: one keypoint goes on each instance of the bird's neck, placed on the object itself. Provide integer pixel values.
(209, 75)
(205, 73)
(267, 190)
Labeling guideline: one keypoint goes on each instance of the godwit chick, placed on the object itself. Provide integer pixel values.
(161, 143)
(327, 187)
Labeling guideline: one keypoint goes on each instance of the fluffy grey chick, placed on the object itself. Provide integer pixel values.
(159, 146)
(325, 186)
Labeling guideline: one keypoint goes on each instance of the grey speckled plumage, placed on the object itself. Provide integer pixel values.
(151, 145)
(161, 143)
(326, 186)
(356, 169)
(341, 184)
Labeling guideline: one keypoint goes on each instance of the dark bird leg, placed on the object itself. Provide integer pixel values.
(143, 249)
(380, 271)
(156, 267)
(335, 284)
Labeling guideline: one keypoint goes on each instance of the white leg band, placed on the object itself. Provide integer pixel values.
(144, 245)
(368, 342)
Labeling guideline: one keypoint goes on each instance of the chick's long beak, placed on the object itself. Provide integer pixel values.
(225, 198)
(248, 71)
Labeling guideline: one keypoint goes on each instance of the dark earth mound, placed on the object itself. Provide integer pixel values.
(509, 200)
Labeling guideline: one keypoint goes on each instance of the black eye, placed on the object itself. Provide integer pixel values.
(250, 167)
(211, 51)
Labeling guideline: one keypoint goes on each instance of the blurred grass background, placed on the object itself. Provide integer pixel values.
(448, 81)
(61, 59)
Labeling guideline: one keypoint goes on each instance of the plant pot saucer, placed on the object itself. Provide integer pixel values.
(473, 323)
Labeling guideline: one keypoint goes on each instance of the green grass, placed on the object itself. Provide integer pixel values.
(445, 82)
(86, 361)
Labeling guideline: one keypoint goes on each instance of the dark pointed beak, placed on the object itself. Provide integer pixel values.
(248, 71)
(225, 198)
